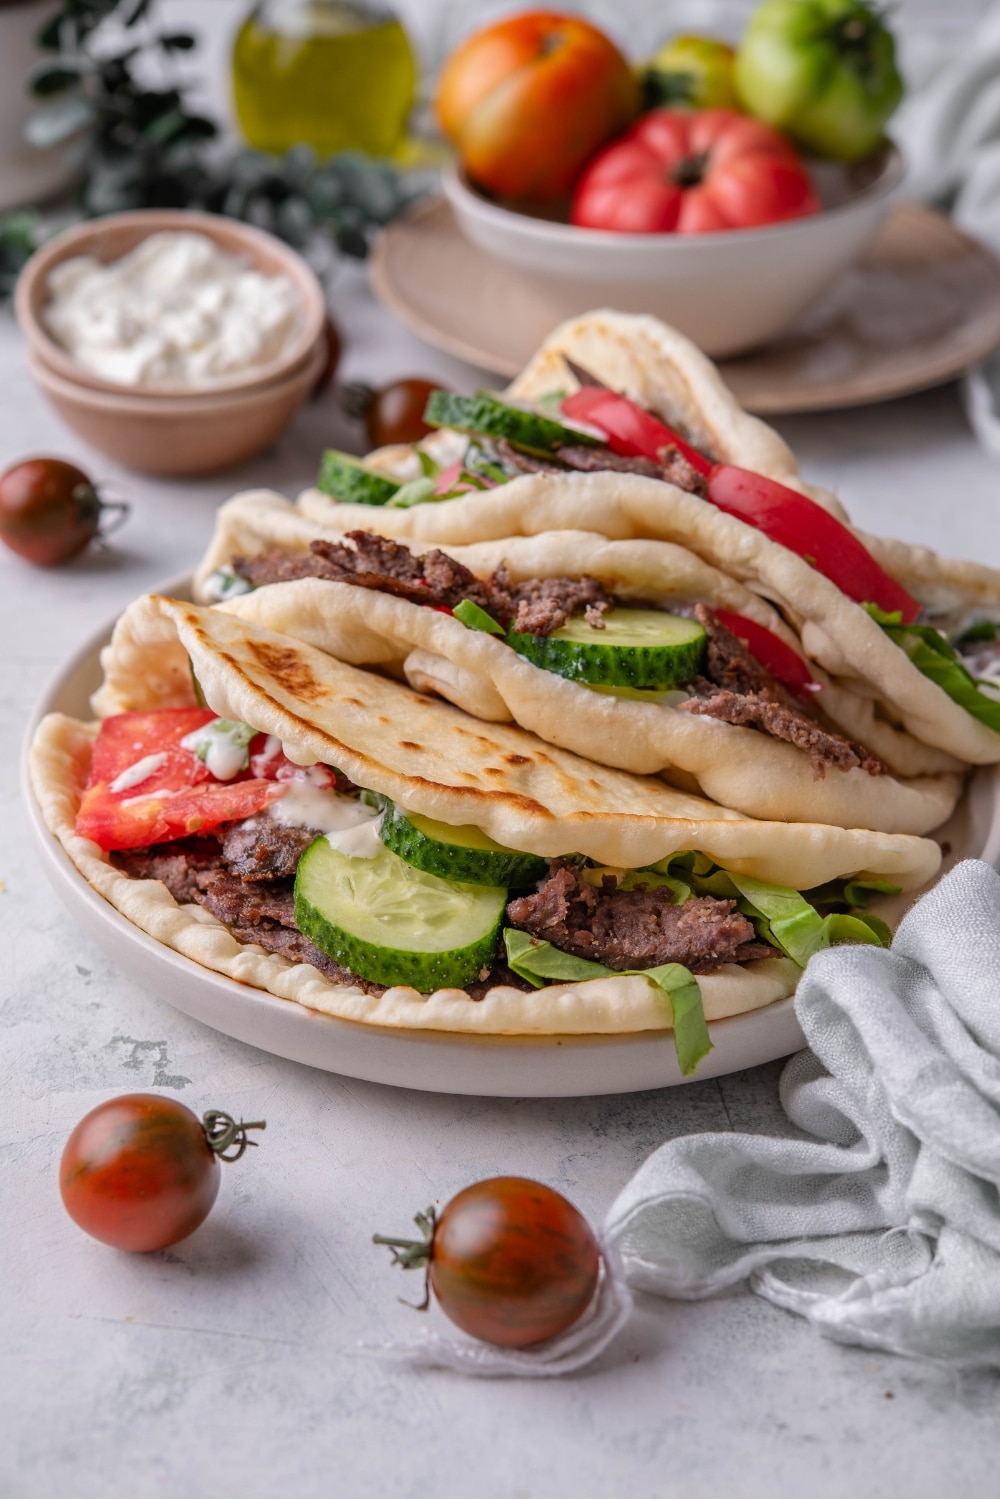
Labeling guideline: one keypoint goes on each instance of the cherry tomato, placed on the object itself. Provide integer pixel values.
(509, 1260)
(693, 172)
(393, 414)
(142, 1172)
(50, 511)
(527, 100)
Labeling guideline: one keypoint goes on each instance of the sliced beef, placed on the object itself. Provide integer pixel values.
(371, 562)
(634, 929)
(587, 459)
(178, 864)
(538, 606)
(678, 471)
(738, 690)
(261, 848)
(528, 463)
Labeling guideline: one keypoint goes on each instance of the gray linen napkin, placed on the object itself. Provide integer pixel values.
(881, 1223)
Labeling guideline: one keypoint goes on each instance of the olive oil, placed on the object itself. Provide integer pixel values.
(339, 75)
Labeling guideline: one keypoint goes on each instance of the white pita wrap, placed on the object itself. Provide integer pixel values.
(736, 766)
(433, 759)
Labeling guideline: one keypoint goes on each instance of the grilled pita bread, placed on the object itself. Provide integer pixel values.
(736, 766)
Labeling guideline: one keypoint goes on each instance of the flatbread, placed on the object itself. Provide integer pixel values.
(433, 759)
(735, 766)
(836, 634)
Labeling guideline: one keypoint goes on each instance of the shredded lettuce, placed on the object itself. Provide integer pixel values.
(413, 493)
(474, 618)
(781, 916)
(933, 654)
(538, 961)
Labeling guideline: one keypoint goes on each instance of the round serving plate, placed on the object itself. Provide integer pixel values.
(441, 1062)
(921, 306)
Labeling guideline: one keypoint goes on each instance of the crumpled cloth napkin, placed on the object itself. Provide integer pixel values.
(881, 1223)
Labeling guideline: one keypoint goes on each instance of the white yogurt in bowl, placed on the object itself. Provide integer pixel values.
(177, 312)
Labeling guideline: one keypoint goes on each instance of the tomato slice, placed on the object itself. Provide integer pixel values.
(631, 431)
(805, 528)
(177, 796)
(771, 651)
(787, 517)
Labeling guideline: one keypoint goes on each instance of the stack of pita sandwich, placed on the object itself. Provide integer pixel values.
(586, 715)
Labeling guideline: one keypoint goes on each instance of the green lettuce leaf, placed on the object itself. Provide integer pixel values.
(474, 618)
(781, 916)
(933, 654)
(414, 493)
(537, 961)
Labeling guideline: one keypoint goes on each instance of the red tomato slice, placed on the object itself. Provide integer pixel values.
(771, 651)
(630, 430)
(178, 795)
(791, 519)
(805, 528)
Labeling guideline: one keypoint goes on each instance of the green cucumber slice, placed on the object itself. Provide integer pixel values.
(457, 853)
(347, 480)
(484, 416)
(638, 648)
(391, 923)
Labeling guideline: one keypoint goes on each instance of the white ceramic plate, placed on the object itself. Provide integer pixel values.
(508, 1067)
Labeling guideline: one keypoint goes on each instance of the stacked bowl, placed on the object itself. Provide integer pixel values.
(175, 429)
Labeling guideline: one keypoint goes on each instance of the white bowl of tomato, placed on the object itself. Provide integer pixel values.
(729, 289)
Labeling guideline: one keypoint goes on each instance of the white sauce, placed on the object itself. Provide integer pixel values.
(139, 771)
(362, 842)
(224, 751)
(307, 806)
(176, 310)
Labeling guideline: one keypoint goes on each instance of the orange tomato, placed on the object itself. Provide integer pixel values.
(529, 100)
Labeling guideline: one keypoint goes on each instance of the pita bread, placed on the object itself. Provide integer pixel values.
(836, 634)
(735, 766)
(433, 759)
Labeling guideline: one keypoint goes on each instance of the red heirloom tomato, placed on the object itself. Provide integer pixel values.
(692, 172)
(50, 511)
(510, 1261)
(142, 1172)
(529, 100)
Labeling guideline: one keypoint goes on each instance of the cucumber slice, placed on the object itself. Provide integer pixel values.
(638, 648)
(347, 480)
(485, 416)
(393, 924)
(457, 853)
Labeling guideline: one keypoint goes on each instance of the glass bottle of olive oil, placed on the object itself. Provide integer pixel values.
(337, 74)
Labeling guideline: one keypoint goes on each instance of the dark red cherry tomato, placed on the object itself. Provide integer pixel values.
(50, 511)
(396, 414)
(142, 1172)
(510, 1261)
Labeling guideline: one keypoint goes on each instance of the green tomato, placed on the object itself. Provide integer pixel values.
(823, 71)
(691, 70)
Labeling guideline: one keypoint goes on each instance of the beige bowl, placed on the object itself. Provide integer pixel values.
(197, 434)
(729, 291)
(115, 235)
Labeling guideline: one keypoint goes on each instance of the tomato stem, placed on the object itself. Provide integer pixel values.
(414, 1255)
(222, 1133)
